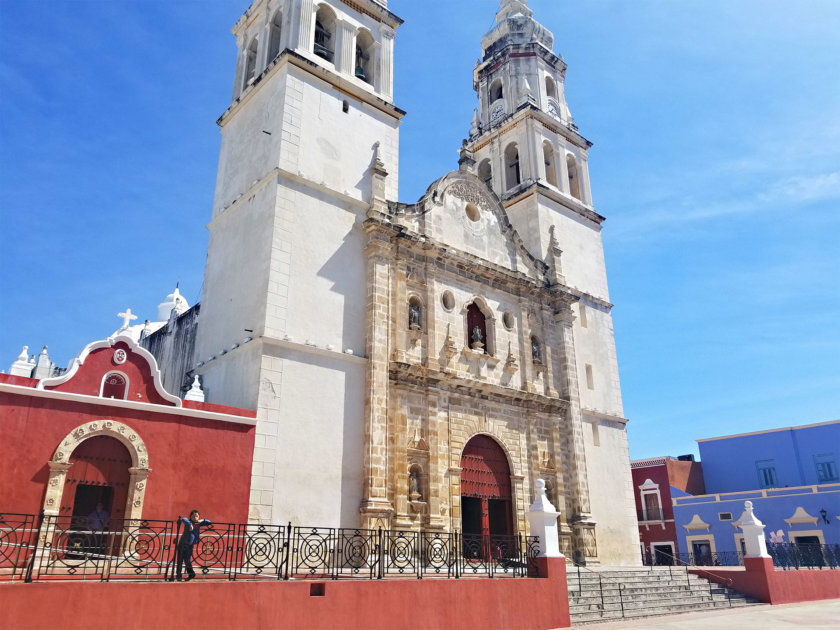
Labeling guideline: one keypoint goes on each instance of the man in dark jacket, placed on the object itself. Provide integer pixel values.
(191, 535)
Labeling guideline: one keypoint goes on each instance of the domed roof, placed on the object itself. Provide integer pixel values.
(174, 301)
(515, 24)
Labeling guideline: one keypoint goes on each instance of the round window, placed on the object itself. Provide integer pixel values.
(473, 213)
(507, 320)
(448, 300)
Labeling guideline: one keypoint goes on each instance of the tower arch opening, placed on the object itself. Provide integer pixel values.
(365, 53)
(550, 163)
(574, 176)
(496, 91)
(250, 63)
(513, 175)
(324, 44)
(275, 31)
(550, 88)
(485, 173)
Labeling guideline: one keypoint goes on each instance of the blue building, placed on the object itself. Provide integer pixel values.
(791, 476)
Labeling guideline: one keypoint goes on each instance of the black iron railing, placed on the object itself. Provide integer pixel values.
(67, 548)
(797, 556)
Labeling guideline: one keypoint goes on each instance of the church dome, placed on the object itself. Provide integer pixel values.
(174, 301)
(515, 25)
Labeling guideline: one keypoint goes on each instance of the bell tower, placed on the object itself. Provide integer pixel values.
(524, 145)
(283, 308)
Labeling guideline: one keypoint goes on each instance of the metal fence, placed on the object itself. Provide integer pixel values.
(784, 555)
(67, 548)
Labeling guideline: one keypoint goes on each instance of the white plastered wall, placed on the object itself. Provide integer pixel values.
(611, 491)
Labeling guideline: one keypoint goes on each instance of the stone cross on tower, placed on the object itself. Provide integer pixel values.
(126, 317)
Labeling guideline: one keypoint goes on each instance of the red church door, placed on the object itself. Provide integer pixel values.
(486, 502)
(99, 474)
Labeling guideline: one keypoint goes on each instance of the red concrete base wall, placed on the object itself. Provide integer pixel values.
(761, 580)
(505, 603)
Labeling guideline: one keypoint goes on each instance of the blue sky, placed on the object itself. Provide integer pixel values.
(716, 162)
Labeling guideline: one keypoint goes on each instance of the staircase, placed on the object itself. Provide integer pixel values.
(602, 593)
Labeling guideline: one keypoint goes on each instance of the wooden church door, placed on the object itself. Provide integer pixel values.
(99, 474)
(486, 501)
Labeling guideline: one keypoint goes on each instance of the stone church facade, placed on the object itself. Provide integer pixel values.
(412, 365)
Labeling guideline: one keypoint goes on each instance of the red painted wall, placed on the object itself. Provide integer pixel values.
(439, 604)
(761, 580)
(687, 476)
(195, 462)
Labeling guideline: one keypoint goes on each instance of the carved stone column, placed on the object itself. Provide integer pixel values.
(136, 492)
(376, 509)
(577, 490)
(55, 486)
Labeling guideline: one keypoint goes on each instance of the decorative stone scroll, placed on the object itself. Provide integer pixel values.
(469, 193)
(128, 437)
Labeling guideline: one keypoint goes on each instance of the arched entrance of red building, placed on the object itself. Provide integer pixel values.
(99, 474)
(486, 499)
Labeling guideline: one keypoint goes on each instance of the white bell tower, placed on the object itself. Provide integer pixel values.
(283, 306)
(525, 147)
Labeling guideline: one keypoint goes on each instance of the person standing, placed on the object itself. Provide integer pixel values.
(190, 537)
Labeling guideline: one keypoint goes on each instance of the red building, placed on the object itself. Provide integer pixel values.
(654, 481)
(106, 431)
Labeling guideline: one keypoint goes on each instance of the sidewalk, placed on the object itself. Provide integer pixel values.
(821, 614)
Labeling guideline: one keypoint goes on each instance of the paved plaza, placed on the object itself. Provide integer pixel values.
(822, 614)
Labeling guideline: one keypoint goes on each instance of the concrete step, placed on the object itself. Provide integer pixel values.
(610, 593)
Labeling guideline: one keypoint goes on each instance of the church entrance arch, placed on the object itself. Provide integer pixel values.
(486, 498)
(103, 461)
(99, 474)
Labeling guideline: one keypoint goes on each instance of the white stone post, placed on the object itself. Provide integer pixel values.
(753, 533)
(542, 518)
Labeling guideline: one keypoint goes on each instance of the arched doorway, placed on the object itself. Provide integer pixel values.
(486, 500)
(99, 474)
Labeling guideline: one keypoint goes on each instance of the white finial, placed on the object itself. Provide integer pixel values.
(195, 392)
(542, 518)
(127, 317)
(23, 354)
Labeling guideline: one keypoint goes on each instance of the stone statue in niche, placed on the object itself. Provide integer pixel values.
(414, 316)
(536, 351)
(477, 339)
(414, 485)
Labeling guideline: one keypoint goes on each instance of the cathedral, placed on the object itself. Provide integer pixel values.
(411, 365)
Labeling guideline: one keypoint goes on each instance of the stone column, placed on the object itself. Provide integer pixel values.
(581, 521)
(345, 47)
(303, 37)
(55, 486)
(583, 173)
(386, 63)
(136, 492)
(262, 50)
(241, 66)
(563, 166)
(376, 509)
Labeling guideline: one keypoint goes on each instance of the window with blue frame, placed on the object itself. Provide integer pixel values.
(767, 473)
(826, 468)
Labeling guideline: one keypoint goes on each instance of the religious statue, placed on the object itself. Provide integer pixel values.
(536, 351)
(414, 316)
(477, 339)
(414, 485)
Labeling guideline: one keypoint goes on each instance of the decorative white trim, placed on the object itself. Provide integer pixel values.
(696, 523)
(107, 374)
(109, 343)
(801, 517)
(148, 408)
